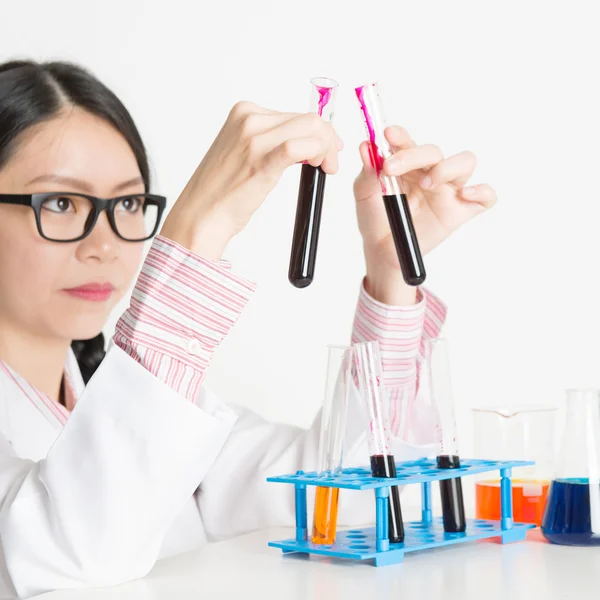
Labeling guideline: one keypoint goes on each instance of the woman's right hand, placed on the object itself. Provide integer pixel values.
(244, 163)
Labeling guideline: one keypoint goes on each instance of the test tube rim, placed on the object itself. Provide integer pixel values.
(372, 84)
(340, 346)
(324, 82)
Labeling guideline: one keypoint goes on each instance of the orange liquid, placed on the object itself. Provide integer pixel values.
(529, 500)
(325, 519)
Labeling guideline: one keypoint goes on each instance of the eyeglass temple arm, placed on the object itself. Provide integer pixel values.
(24, 199)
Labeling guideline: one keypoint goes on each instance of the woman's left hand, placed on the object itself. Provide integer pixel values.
(438, 199)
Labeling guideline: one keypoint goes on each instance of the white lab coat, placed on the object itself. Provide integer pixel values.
(139, 473)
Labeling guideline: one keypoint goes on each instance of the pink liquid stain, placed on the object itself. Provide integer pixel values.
(376, 156)
(324, 98)
(386, 442)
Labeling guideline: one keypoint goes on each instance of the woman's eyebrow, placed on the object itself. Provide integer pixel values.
(128, 184)
(79, 184)
(72, 182)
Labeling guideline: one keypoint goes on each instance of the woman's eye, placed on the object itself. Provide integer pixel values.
(60, 204)
(130, 205)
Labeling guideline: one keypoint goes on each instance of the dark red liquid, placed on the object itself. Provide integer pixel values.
(453, 507)
(384, 466)
(405, 239)
(306, 228)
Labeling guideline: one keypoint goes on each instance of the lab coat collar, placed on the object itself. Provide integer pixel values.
(73, 373)
(31, 421)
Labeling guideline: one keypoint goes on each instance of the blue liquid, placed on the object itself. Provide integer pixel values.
(567, 519)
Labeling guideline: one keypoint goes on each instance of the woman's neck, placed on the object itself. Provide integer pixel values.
(40, 361)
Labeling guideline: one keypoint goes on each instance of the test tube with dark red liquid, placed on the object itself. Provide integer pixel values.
(395, 201)
(368, 374)
(310, 195)
(440, 385)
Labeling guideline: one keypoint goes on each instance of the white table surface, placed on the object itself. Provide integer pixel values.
(245, 568)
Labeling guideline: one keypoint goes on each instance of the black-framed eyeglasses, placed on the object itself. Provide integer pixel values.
(69, 217)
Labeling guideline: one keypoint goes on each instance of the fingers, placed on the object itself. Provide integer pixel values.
(251, 119)
(457, 170)
(398, 137)
(328, 162)
(297, 150)
(243, 108)
(367, 159)
(253, 123)
(410, 159)
(303, 125)
(483, 194)
(322, 151)
(265, 130)
(366, 184)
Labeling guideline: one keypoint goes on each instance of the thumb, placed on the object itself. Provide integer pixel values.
(366, 184)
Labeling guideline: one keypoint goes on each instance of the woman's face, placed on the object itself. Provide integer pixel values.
(43, 284)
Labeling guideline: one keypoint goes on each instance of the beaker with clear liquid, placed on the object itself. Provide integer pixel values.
(572, 514)
(515, 433)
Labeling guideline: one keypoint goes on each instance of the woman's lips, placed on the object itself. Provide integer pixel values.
(93, 292)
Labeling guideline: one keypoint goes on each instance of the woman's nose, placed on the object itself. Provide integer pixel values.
(101, 244)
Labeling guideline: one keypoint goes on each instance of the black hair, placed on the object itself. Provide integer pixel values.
(31, 93)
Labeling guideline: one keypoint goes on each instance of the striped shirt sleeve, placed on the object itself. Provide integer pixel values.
(181, 308)
(401, 332)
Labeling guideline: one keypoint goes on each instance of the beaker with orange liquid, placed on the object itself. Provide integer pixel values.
(526, 433)
(331, 441)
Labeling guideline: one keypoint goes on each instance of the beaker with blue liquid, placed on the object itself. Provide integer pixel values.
(572, 515)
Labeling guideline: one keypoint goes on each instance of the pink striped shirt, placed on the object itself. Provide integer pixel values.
(183, 306)
(401, 332)
(181, 309)
(43, 402)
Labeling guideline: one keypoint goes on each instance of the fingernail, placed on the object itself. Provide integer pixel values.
(426, 182)
(468, 193)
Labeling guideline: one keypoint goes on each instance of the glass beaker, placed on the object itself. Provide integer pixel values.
(572, 514)
(519, 433)
(331, 441)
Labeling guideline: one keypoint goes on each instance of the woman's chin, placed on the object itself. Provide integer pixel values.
(80, 325)
(85, 331)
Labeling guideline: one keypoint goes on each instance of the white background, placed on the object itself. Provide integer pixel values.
(515, 82)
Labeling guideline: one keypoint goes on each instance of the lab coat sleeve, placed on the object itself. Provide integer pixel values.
(180, 310)
(235, 498)
(94, 512)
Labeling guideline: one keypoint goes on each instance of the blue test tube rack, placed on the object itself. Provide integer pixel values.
(373, 543)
